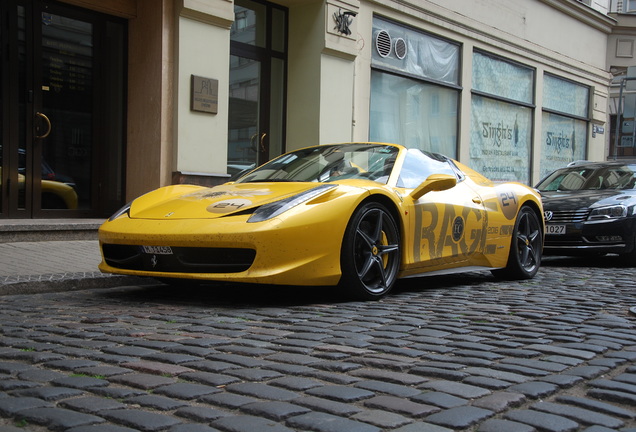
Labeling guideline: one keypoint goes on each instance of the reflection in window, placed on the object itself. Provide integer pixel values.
(418, 167)
(328, 163)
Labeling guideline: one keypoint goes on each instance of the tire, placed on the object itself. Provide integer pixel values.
(526, 247)
(370, 254)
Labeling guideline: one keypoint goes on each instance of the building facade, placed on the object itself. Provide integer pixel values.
(104, 100)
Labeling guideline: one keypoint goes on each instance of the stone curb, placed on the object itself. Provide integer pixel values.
(39, 284)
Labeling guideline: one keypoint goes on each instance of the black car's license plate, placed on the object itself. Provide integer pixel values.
(555, 229)
(157, 250)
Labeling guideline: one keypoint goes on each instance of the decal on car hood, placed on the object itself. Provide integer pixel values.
(214, 202)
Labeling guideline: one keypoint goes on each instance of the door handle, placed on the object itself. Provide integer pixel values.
(261, 145)
(48, 124)
(477, 200)
(252, 145)
(263, 135)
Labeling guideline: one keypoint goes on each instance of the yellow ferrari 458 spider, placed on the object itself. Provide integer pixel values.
(356, 215)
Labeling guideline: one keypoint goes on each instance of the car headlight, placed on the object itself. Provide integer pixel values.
(271, 210)
(611, 212)
(124, 210)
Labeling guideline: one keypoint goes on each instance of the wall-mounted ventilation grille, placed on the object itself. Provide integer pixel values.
(383, 43)
(400, 48)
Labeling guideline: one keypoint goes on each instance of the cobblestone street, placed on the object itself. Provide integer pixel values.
(463, 352)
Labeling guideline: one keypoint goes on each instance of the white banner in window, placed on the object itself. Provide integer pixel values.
(501, 78)
(565, 96)
(422, 55)
(500, 140)
(564, 140)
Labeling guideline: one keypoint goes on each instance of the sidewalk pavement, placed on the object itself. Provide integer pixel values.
(39, 266)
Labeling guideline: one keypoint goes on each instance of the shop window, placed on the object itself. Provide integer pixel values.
(501, 118)
(498, 77)
(565, 96)
(414, 88)
(564, 123)
(413, 113)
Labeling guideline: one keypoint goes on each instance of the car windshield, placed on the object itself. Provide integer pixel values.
(328, 163)
(584, 177)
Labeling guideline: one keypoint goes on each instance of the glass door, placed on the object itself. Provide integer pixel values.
(257, 84)
(57, 109)
(63, 143)
(247, 138)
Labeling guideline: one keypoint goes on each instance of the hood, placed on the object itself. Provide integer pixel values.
(194, 202)
(574, 200)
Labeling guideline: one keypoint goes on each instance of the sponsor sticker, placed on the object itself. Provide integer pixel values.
(458, 228)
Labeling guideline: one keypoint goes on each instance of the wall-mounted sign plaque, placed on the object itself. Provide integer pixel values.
(204, 94)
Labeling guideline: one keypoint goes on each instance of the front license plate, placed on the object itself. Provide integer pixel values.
(157, 250)
(555, 229)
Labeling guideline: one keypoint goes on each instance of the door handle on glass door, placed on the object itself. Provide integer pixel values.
(263, 135)
(48, 124)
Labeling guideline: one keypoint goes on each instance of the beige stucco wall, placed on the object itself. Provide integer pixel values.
(550, 28)
(201, 137)
(336, 99)
(150, 96)
(306, 35)
(621, 46)
(321, 72)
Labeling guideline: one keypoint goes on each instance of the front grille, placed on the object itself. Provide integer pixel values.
(569, 216)
(182, 259)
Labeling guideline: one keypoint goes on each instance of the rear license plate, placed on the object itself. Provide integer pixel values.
(555, 229)
(157, 250)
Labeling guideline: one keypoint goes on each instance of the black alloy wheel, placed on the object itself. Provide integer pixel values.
(370, 255)
(526, 248)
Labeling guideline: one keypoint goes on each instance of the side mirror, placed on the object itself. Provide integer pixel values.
(434, 182)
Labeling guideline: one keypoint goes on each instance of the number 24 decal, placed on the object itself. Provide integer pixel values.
(506, 198)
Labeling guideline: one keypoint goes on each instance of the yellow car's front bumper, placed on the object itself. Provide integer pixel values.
(286, 253)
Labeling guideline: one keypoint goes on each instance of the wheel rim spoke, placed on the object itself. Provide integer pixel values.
(366, 267)
(377, 233)
(387, 249)
(368, 241)
(377, 262)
